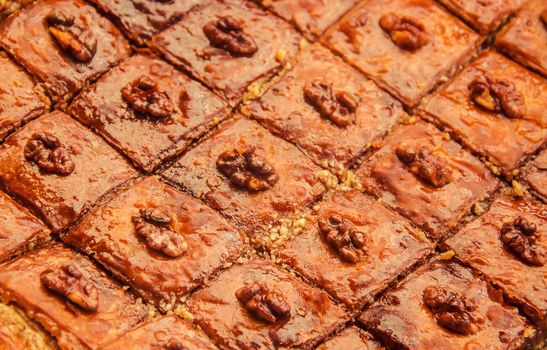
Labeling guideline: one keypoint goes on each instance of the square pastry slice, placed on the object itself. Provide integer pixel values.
(351, 339)
(73, 300)
(525, 37)
(60, 168)
(483, 15)
(64, 43)
(148, 109)
(228, 44)
(19, 229)
(168, 332)
(18, 332)
(406, 46)
(248, 175)
(444, 306)
(426, 177)
(259, 306)
(140, 20)
(20, 99)
(536, 174)
(334, 116)
(496, 107)
(311, 17)
(354, 247)
(508, 245)
(160, 241)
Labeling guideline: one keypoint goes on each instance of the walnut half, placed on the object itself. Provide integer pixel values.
(267, 305)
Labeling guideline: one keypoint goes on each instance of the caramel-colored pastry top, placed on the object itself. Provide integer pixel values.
(18, 332)
(525, 37)
(296, 184)
(351, 339)
(505, 139)
(484, 16)
(62, 190)
(119, 237)
(309, 314)
(480, 244)
(20, 100)
(143, 134)
(168, 332)
(536, 175)
(311, 17)
(290, 111)
(391, 246)
(411, 316)
(115, 311)
(228, 71)
(29, 39)
(18, 228)
(140, 20)
(434, 192)
(408, 73)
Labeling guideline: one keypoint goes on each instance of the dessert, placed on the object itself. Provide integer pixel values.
(60, 168)
(311, 17)
(140, 20)
(346, 111)
(508, 245)
(267, 308)
(426, 177)
(484, 16)
(248, 175)
(525, 37)
(70, 44)
(536, 174)
(406, 46)
(148, 110)
(351, 339)
(496, 107)
(351, 253)
(444, 306)
(159, 241)
(228, 44)
(73, 300)
(20, 100)
(168, 332)
(18, 332)
(19, 229)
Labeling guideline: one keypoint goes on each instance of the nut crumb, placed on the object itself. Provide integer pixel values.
(478, 208)
(518, 189)
(280, 55)
(449, 254)
(303, 44)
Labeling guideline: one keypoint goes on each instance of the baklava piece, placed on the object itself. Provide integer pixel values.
(148, 109)
(64, 43)
(536, 175)
(73, 300)
(19, 229)
(168, 332)
(228, 44)
(351, 339)
(406, 46)
(311, 17)
(18, 332)
(525, 37)
(259, 306)
(443, 306)
(249, 175)
(60, 168)
(334, 116)
(140, 20)
(496, 107)
(426, 177)
(158, 240)
(508, 245)
(353, 247)
(20, 100)
(483, 15)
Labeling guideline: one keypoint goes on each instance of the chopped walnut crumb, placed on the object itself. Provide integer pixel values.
(478, 208)
(280, 55)
(303, 44)
(449, 254)
(518, 189)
